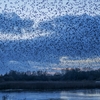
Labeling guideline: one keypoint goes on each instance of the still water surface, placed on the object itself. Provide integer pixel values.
(93, 94)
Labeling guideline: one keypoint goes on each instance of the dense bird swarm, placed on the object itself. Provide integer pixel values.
(49, 35)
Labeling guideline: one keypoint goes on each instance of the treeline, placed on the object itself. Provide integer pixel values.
(74, 74)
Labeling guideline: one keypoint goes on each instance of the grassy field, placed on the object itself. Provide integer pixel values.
(49, 85)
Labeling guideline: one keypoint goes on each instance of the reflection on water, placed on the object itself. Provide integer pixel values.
(93, 94)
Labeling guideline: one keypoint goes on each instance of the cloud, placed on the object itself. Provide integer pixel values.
(24, 36)
(88, 62)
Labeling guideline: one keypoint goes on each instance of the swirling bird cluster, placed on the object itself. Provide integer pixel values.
(37, 34)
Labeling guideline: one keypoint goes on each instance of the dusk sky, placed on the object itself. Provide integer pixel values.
(52, 13)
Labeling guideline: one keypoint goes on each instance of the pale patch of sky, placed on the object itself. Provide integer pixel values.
(46, 9)
(64, 62)
(88, 62)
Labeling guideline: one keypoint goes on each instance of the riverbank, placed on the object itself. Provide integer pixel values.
(49, 85)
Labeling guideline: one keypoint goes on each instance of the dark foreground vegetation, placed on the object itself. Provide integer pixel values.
(68, 74)
(67, 79)
(48, 85)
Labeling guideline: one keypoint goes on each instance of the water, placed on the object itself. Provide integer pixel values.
(93, 94)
